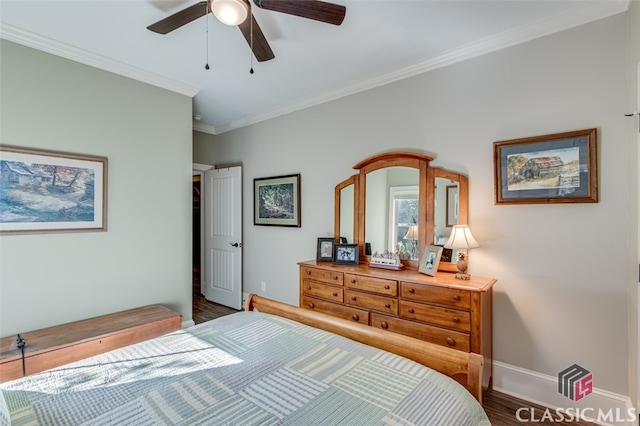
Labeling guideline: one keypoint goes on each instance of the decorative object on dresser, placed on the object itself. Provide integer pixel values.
(324, 251)
(386, 260)
(346, 254)
(44, 191)
(276, 201)
(430, 260)
(556, 168)
(461, 239)
(440, 309)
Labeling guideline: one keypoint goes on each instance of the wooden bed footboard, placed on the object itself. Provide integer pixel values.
(465, 368)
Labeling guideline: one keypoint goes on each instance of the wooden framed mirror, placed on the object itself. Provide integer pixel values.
(397, 202)
(345, 208)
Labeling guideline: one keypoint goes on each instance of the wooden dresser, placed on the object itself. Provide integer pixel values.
(441, 309)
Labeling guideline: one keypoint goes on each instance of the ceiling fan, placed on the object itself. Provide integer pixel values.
(238, 13)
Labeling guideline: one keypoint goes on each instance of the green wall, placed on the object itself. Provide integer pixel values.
(145, 132)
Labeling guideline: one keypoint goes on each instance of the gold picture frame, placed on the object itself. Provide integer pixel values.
(46, 191)
(547, 169)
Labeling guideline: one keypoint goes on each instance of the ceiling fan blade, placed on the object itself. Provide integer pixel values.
(261, 48)
(311, 9)
(179, 19)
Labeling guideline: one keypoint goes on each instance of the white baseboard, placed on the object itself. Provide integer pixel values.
(187, 324)
(542, 389)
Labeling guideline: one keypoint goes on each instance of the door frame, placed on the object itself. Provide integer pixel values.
(198, 170)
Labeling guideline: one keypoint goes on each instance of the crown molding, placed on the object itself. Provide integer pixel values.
(29, 39)
(590, 12)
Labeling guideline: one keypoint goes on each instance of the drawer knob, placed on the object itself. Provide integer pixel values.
(411, 310)
(411, 290)
(353, 298)
(355, 317)
(456, 298)
(387, 305)
(308, 272)
(353, 280)
(311, 305)
(308, 287)
(335, 277)
(386, 286)
(384, 325)
(335, 294)
(450, 341)
(456, 319)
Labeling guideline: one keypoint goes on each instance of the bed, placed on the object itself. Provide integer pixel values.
(272, 364)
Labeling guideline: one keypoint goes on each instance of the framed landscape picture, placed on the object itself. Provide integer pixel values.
(43, 191)
(556, 168)
(277, 201)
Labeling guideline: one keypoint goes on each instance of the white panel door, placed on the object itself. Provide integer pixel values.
(223, 237)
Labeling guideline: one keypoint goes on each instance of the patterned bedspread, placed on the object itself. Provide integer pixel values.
(248, 368)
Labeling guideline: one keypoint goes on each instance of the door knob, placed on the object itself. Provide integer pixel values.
(235, 244)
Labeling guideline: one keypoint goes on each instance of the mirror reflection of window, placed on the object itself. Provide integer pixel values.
(379, 231)
(403, 229)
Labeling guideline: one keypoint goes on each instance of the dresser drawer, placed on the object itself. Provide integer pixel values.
(459, 299)
(342, 311)
(440, 336)
(451, 318)
(371, 301)
(324, 291)
(323, 275)
(371, 284)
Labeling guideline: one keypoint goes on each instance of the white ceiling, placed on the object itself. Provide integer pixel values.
(380, 41)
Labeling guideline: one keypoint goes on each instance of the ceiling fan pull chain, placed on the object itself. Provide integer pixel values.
(251, 37)
(206, 18)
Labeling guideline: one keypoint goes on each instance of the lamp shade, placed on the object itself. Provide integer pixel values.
(461, 238)
(230, 12)
(412, 233)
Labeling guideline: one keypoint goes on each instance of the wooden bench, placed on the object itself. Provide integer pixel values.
(55, 346)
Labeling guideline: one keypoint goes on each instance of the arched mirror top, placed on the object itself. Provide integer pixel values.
(441, 200)
(392, 159)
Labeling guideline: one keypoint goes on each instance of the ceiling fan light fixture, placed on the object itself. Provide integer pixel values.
(230, 12)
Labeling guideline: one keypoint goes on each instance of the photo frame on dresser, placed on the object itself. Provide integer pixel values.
(430, 260)
(324, 250)
(346, 254)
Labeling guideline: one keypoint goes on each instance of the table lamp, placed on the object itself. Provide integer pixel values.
(461, 240)
(412, 235)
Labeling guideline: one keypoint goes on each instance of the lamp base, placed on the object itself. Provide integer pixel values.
(462, 267)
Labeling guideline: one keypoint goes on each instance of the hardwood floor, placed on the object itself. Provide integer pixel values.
(500, 408)
(203, 310)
